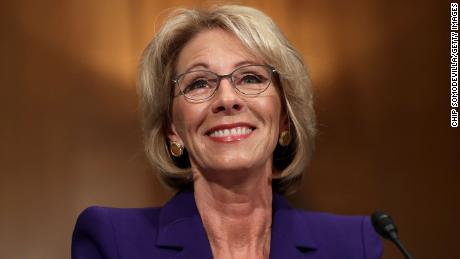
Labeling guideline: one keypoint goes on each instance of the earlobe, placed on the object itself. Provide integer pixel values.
(285, 131)
(176, 147)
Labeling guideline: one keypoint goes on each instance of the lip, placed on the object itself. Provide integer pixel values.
(230, 126)
(231, 138)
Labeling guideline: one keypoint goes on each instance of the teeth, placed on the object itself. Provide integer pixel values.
(230, 132)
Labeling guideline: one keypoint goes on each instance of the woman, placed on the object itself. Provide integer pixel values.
(229, 123)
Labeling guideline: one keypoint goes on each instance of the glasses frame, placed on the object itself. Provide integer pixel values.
(177, 79)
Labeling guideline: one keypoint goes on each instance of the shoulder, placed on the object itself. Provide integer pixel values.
(97, 228)
(96, 217)
(343, 234)
(331, 222)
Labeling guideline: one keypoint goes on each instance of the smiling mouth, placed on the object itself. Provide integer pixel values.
(231, 132)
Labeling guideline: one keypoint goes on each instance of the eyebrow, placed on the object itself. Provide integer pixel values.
(206, 66)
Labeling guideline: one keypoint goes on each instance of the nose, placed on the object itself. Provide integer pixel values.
(226, 99)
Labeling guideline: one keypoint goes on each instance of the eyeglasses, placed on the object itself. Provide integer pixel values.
(200, 85)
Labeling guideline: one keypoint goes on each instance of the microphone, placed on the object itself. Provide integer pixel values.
(385, 226)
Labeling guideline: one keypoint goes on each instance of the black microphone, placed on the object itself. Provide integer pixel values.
(385, 226)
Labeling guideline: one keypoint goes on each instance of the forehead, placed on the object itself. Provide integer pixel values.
(214, 49)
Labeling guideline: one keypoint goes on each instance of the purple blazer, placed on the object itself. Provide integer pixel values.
(176, 231)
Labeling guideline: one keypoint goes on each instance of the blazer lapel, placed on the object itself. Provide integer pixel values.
(181, 228)
(291, 237)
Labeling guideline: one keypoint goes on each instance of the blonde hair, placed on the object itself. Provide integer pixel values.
(264, 39)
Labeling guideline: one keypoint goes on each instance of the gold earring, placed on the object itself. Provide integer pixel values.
(285, 138)
(176, 149)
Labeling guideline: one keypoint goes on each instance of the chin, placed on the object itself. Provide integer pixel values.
(236, 163)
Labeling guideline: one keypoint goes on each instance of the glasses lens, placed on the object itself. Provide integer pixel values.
(252, 80)
(198, 85)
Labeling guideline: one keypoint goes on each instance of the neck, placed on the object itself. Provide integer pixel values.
(237, 217)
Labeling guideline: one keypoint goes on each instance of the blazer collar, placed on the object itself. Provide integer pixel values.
(181, 228)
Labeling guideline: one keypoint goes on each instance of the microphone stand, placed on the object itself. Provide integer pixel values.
(402, 249)
(384, 225)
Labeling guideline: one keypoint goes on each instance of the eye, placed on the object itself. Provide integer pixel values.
(251, 79)
(196, 85)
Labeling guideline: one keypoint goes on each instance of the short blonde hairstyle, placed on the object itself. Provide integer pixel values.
(262, 38)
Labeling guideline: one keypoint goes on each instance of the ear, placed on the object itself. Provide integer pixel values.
(173, 136)
(284, 122)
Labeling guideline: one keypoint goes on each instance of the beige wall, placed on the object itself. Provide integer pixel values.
(70, 133)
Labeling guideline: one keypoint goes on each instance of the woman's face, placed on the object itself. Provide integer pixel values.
(229, 131)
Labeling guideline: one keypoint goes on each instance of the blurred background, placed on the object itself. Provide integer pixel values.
(70, 130)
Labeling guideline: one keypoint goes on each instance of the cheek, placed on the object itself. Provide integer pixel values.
(271, 108)
(186, 117)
